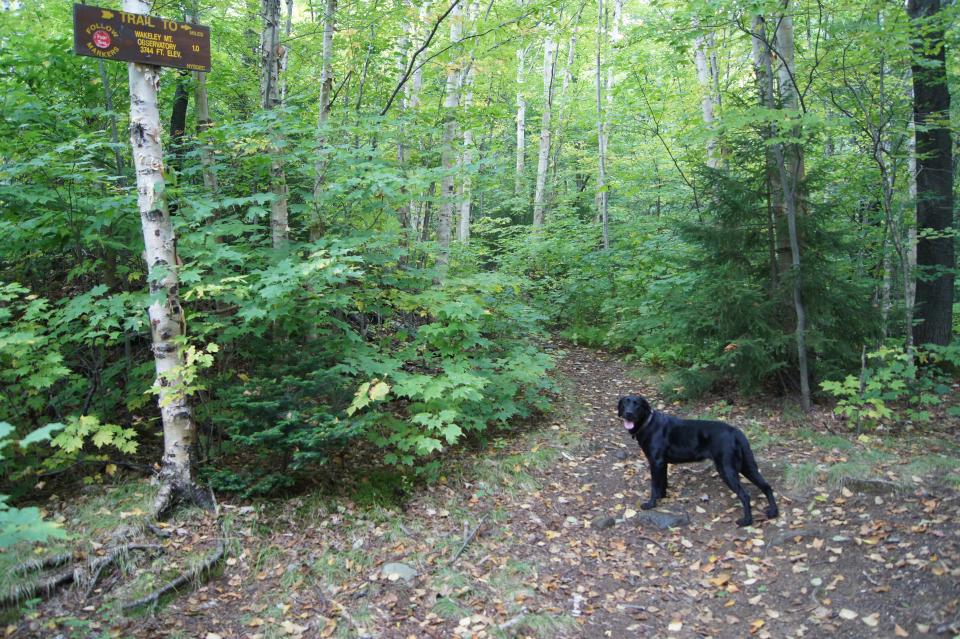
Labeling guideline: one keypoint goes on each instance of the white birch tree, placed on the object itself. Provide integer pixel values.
(273, 60)
(448, 155)
(549, 66)
(326, 92)
(167, 324)
(466, 156)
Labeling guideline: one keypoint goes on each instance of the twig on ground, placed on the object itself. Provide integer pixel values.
(514, 621)
(183, 578)
(466, 541)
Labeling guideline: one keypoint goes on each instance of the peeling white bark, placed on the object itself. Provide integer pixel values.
(448, 156)
(160, 244)
(549, 66)
(273, 60)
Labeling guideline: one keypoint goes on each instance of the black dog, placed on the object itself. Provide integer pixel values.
(670, 440)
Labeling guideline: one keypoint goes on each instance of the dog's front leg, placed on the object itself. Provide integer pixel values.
(658, 483)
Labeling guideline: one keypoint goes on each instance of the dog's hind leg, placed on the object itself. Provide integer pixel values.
(753, 474)
(748, 468)
(728, 473)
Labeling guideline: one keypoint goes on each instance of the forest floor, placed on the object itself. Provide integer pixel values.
(541, 535)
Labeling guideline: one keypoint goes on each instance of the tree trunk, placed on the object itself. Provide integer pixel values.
(702, 46)
(178, 119)
(936, 259)
(326, 91)
(521, 122)
(166, 314)
(466, 156)
(602, 208)
(202, 111)
(448, 154)
(790, 199)
(764, 75)
(549, 65)
(273, 60)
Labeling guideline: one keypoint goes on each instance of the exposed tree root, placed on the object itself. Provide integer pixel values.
(90, 573)
(185, 577)
(173, 493)
(36, 565)
(77, 573)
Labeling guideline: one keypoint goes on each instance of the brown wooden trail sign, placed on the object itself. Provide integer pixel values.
(109, 34)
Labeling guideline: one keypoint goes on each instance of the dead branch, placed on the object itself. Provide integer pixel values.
(195, 574)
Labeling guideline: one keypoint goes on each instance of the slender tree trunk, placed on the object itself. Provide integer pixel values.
(543, 157)
(521, 122)
(936, 258)
(702, 46)
(602, 209)
(466, 156)
(273, 60)
(202, 112)
(166, 315)
(178, 119)
(326, 92)
(451, 102)
(562, 106)
(790, 199)
(763, 70)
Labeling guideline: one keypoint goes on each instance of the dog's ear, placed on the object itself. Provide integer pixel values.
(645, 408)
(620, 407)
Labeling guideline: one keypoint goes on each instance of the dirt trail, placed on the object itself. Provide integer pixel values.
(508, 547)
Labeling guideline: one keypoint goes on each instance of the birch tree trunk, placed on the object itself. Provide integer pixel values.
(326, 92)
(166, 314)
(601, 143)
(543, 157)
(702, 49)
(521, 121)
(448, 155)
(466, 157)
(273, 60)
(411, 102)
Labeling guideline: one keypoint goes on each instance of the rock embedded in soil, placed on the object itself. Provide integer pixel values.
(396, 570)
(663, 520)
(602, 522)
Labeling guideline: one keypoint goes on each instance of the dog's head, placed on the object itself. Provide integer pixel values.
(634, 411)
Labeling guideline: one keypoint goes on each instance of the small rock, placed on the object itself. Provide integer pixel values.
(395, 571)
(663, 520)
(620, 454)
(602, 522)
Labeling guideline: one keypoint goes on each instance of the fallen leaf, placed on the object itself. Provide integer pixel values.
(900, 632)
(675, 625)
(871, 620)
(848, 614)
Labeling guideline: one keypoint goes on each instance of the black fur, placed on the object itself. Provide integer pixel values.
(670, 440)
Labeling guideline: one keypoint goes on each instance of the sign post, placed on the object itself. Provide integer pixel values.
(108, 34)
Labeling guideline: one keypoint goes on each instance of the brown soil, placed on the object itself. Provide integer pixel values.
(867, 560)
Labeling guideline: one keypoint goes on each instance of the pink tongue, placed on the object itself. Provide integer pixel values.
(627, 425)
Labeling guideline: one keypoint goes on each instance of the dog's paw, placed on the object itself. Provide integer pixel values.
(647, 505)
(772, 512)
(745, 521)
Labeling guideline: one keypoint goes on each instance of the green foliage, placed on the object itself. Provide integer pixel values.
(893, 387)
(23, 524)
